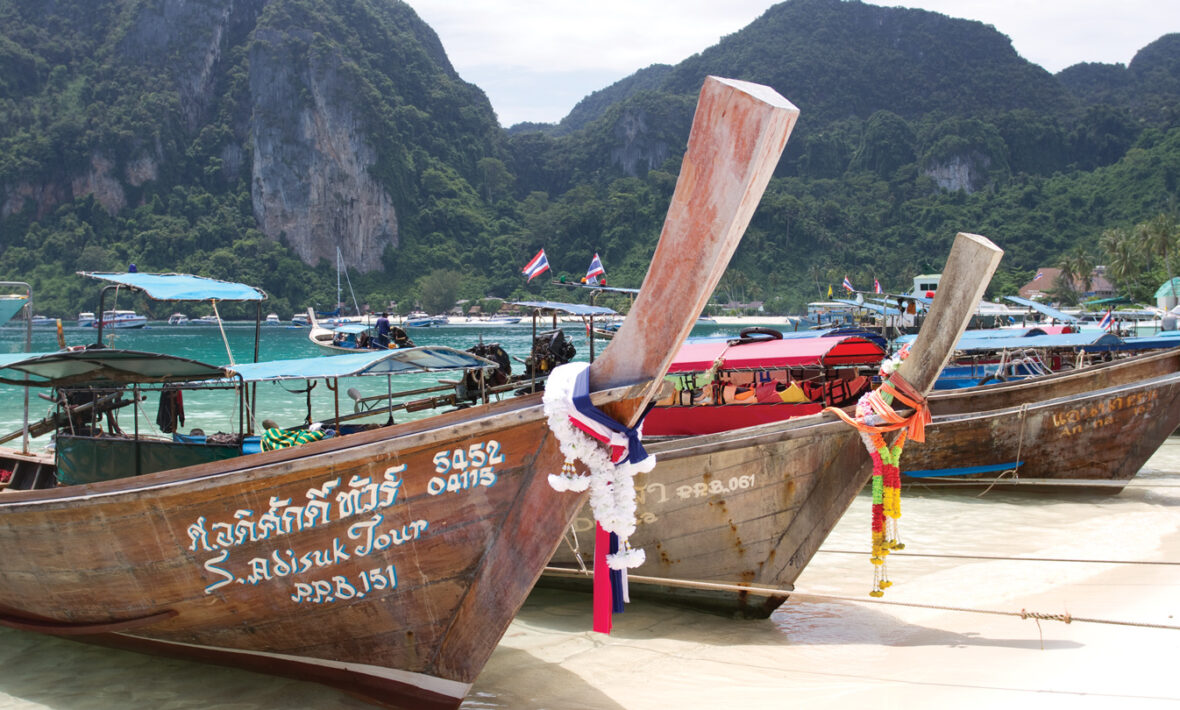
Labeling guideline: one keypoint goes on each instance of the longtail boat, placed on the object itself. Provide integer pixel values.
(389, 562)
(719, 533)
(1093, 427)
(730, 519)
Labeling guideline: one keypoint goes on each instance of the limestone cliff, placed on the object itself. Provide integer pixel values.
(310, 179)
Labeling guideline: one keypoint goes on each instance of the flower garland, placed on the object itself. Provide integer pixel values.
(874, 417)
(612, 453)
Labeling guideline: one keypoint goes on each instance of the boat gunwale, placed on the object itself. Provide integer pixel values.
(506, 413)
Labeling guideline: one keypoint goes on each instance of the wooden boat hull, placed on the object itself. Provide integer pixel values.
(288, 559)
(1096, 425)
(731, 519)
(748, 507)
(347, 557)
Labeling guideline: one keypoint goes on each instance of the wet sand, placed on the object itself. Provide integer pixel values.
(809, 654)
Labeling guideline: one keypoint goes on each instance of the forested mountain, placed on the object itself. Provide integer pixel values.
(249, 139)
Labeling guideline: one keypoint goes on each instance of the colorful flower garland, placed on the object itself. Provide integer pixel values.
(874, 417)
(613, 454)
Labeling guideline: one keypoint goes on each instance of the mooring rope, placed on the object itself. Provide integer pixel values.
(1022, 614)
(1043, 483)
(1009, 559)
(798, 596)
(1015, 470)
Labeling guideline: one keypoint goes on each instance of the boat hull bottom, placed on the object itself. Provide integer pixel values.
(413, 691)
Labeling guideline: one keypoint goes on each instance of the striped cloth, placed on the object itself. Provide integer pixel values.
(282, 438)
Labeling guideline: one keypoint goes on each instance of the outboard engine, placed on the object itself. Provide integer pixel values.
(475, 380)
(550, 349)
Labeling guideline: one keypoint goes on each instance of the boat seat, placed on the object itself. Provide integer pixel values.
(31, 475)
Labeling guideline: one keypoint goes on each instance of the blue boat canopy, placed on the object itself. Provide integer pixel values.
(68, 367)
(181, 287)
(376, 362)
(1089, 341)
(350, 328)
(111, 366)
(575, 309)
(1043, 309)
(10, 306)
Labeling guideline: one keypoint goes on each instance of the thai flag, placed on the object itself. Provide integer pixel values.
(876, 286)
(537, 266)
(595, 271)
(1038, 276)
(1107, 320)
(848, 284)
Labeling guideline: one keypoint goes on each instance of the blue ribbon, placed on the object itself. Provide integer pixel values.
(616, 579)
(582, 403)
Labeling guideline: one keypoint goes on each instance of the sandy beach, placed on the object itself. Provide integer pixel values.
(812, 653)
(858, 654)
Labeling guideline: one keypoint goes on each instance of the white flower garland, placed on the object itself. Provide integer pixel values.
(612, 487)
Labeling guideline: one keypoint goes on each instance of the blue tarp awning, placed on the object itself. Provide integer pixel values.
(10, 306)
(1043, 309)
(112, 366)
(181, 287)
(575, 309)
(1089, 341)
(376, 362)
(350, 328)
(67, 367)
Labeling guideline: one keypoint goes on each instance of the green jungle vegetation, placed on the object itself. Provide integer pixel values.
(914, 126)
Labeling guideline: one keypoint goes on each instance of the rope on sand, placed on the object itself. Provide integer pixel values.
(1022, 614)
(1162, 563)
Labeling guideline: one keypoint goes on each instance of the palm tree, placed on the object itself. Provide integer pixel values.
(1124, 261)
(1159, 235)
(1077, 266)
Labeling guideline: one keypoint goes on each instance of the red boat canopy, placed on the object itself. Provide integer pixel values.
(771, 354)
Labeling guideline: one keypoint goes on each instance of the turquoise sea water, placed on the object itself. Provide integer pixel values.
(285, 403)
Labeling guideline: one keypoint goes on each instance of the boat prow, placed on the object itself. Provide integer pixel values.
(390, 562)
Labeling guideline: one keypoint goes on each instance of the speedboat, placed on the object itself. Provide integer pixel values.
(121, 319)
(272, 319)
(86, 319)
(177, 319)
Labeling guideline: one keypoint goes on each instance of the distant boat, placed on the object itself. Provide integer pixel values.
(299, 319)
(500, 320)
(272, 319)
(351, 337)
(43, 321)
(121, 319)
(177, 319)
(86, 319)
(425, 321)
(205, 320)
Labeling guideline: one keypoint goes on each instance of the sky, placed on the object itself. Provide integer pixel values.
(535, 59)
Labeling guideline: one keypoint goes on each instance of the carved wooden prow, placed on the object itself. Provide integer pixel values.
(738, 134)
(969, 268)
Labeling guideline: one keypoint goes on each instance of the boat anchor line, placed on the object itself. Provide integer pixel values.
(1022, 614)
(1010, 559)
(797, 596)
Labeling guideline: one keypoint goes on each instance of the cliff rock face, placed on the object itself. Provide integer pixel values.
(635, 151)
(961, 173)
(310, 180)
